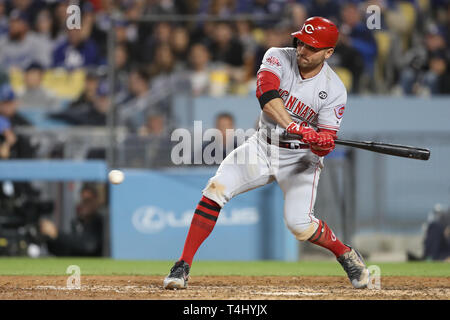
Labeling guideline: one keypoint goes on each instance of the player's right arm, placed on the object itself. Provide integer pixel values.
(267, 86)
(269, 98)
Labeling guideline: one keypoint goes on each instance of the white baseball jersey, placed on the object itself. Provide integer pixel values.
(319, 101)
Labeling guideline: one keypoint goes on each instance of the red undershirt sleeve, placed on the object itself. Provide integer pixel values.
(267, 85)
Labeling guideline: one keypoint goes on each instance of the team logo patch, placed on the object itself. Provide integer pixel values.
(273, 61)
(309, 28)
(339, 110)
(323, 95)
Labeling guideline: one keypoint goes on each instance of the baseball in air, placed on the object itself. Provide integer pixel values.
(116, 176)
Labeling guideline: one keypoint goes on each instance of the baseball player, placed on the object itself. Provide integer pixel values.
(299, 94)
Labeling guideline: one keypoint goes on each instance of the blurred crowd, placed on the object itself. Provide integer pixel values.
(207, 47)
(408, 55)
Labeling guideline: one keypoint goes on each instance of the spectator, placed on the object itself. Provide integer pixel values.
(298, 15)
(150, 146)
(225, 47)
(122, 72)
(21, 46)
(203, 32)
(13, 145)
(225, 124)
(154, 126)
(437, 78)
(350, 58)
(425, 65)
(28, 7)
(227, 54)
(91, 113)
(75, 51)
(446, 26)
(9, 105)
(161, 36)
(165, 7)
(324, 8)
(93, 78)
(77, 109)
(225, 141)
(35, 96)
(163, 61)
(98, 114)
(167, 81)
(7, 138)
(221, 8)
(134, 9)
(43, 26)
(273, 37)
(86, 235)
(103, 23)
(262, 8)
(250, 46)
(59, 27)
(180, 44)
(132, 112)
(199, 71)
(3, 19)
(127, 36)
(354, 33)
(156, 135)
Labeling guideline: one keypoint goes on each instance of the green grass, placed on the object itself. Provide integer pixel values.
(91, 266)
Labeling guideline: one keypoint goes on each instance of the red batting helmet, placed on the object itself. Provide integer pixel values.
(318, 32)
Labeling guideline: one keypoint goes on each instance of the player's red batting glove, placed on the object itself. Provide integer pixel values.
(325, 142)
(309, 135)
(321, 152)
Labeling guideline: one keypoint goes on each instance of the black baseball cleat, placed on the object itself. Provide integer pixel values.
(178, 276)
(354, 265)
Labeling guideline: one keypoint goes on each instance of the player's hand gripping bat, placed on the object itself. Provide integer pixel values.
(380, 147)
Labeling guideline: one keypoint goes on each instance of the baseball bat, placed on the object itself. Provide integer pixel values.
(380, 147)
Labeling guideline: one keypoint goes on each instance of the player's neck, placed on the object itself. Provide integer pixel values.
(307, 73)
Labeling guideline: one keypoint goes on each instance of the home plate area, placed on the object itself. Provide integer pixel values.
(221, 288)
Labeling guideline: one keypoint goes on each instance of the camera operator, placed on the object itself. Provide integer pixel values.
(20, 206)
(86, 236)
(436, 241)
(14, 146)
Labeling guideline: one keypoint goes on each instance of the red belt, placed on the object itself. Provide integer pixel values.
(289, 145)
